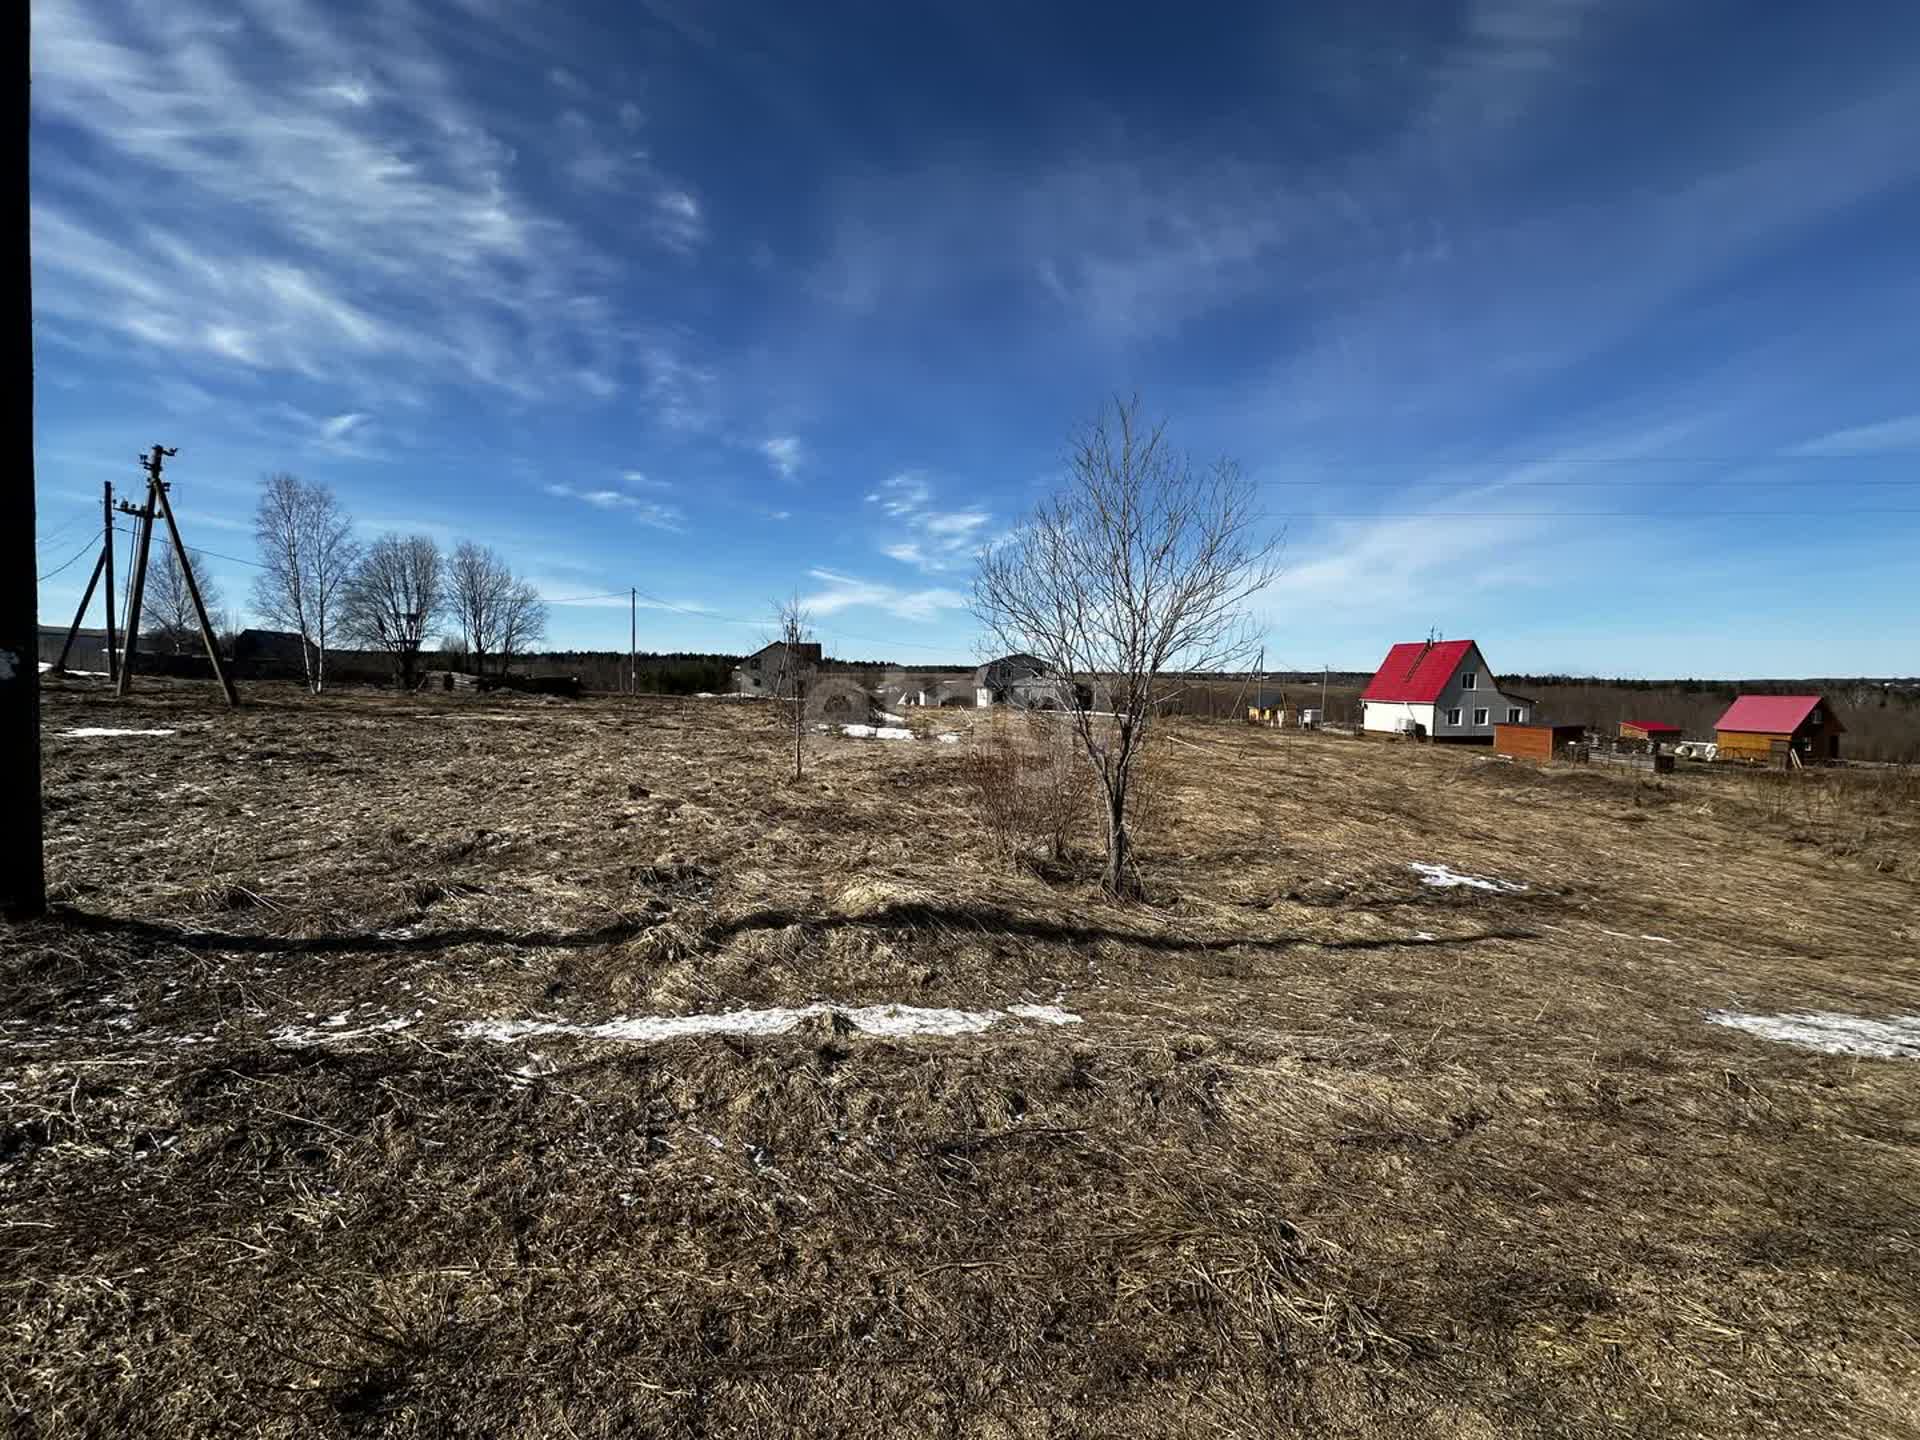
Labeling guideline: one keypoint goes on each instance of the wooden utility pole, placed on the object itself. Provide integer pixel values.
(23, 874)
(193, 585)
(113, 648)
(633, 641)
(101, 566)
(158, 506)
(136, 588)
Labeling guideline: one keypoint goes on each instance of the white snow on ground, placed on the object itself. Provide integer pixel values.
(876, 732)
(892, 719)
(46, 665)
(948, 737)
(89, 731)
(895, 1020)
(1447, 879)
(1895, 1038)
(294, 1036)
(1045, 1014)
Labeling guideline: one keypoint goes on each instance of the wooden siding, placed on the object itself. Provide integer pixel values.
(1534, 742)
(1755, 745)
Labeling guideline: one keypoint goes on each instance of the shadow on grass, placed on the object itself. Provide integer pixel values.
(990, 920)
(367, 942)
(977, 919)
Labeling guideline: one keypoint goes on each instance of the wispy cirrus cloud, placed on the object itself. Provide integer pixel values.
(658, 514)
(1883, 436)
(372, 219)
(846, 592)
(930, 538)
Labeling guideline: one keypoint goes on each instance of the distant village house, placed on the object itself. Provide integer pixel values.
(771, 670)
(1778, 730)
(1439, 690)
(1023, 681)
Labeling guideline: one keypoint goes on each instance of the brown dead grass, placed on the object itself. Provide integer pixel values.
(1298, 1169)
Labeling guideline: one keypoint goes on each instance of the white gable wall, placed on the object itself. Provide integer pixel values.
(1389, 717)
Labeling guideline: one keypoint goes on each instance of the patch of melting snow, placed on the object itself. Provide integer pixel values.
(892, 1020)
(90, 731)
(296, 1037)
(1045, 1014)
(1441, 876)
(948, 737)
(892, 719)
(876, 732)
(1830, 1032)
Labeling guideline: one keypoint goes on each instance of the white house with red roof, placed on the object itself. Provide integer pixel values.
(1441, 690)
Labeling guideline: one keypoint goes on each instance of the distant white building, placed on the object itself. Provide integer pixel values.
(1439, 690)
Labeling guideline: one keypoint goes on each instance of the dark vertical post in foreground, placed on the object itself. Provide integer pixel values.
(23, 876)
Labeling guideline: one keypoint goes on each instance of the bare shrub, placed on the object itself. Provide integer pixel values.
(1029, 786)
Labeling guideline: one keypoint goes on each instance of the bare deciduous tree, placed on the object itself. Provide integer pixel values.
(523, 621)
(793, 626)
(497, 615)
(394, 600)
(307, 555)
(478, 582)
(168, 607)
(1140, 565)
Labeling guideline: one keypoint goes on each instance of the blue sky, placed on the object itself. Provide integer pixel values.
(1591, 330)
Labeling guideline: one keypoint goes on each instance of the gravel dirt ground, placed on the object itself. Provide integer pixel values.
(332, 1100)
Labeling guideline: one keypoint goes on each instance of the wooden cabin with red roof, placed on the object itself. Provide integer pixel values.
(1778, 729)
(1439, 690)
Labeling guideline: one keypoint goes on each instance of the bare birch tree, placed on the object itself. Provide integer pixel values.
(479, 585)
(793, 626)
(523, 621)
(394, 600)
(1140, 565)
(307, 555)
(168, 608)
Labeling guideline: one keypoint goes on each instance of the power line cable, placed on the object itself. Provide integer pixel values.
(76, 555)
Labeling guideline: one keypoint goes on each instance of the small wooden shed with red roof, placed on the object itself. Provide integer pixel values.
(1774, 729)
(1654, 732)
(1439, 690)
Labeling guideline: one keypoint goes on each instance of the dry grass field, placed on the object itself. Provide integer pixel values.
(1304, 1144)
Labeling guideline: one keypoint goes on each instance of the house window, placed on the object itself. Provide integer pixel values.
(1813, 716)
(1479, 717)
(1515, 715)
(1467, 679)
(1453, 717)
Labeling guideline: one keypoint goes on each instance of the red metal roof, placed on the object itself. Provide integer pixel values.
(1417, 672)
(1653, 727)
(1767, 714)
